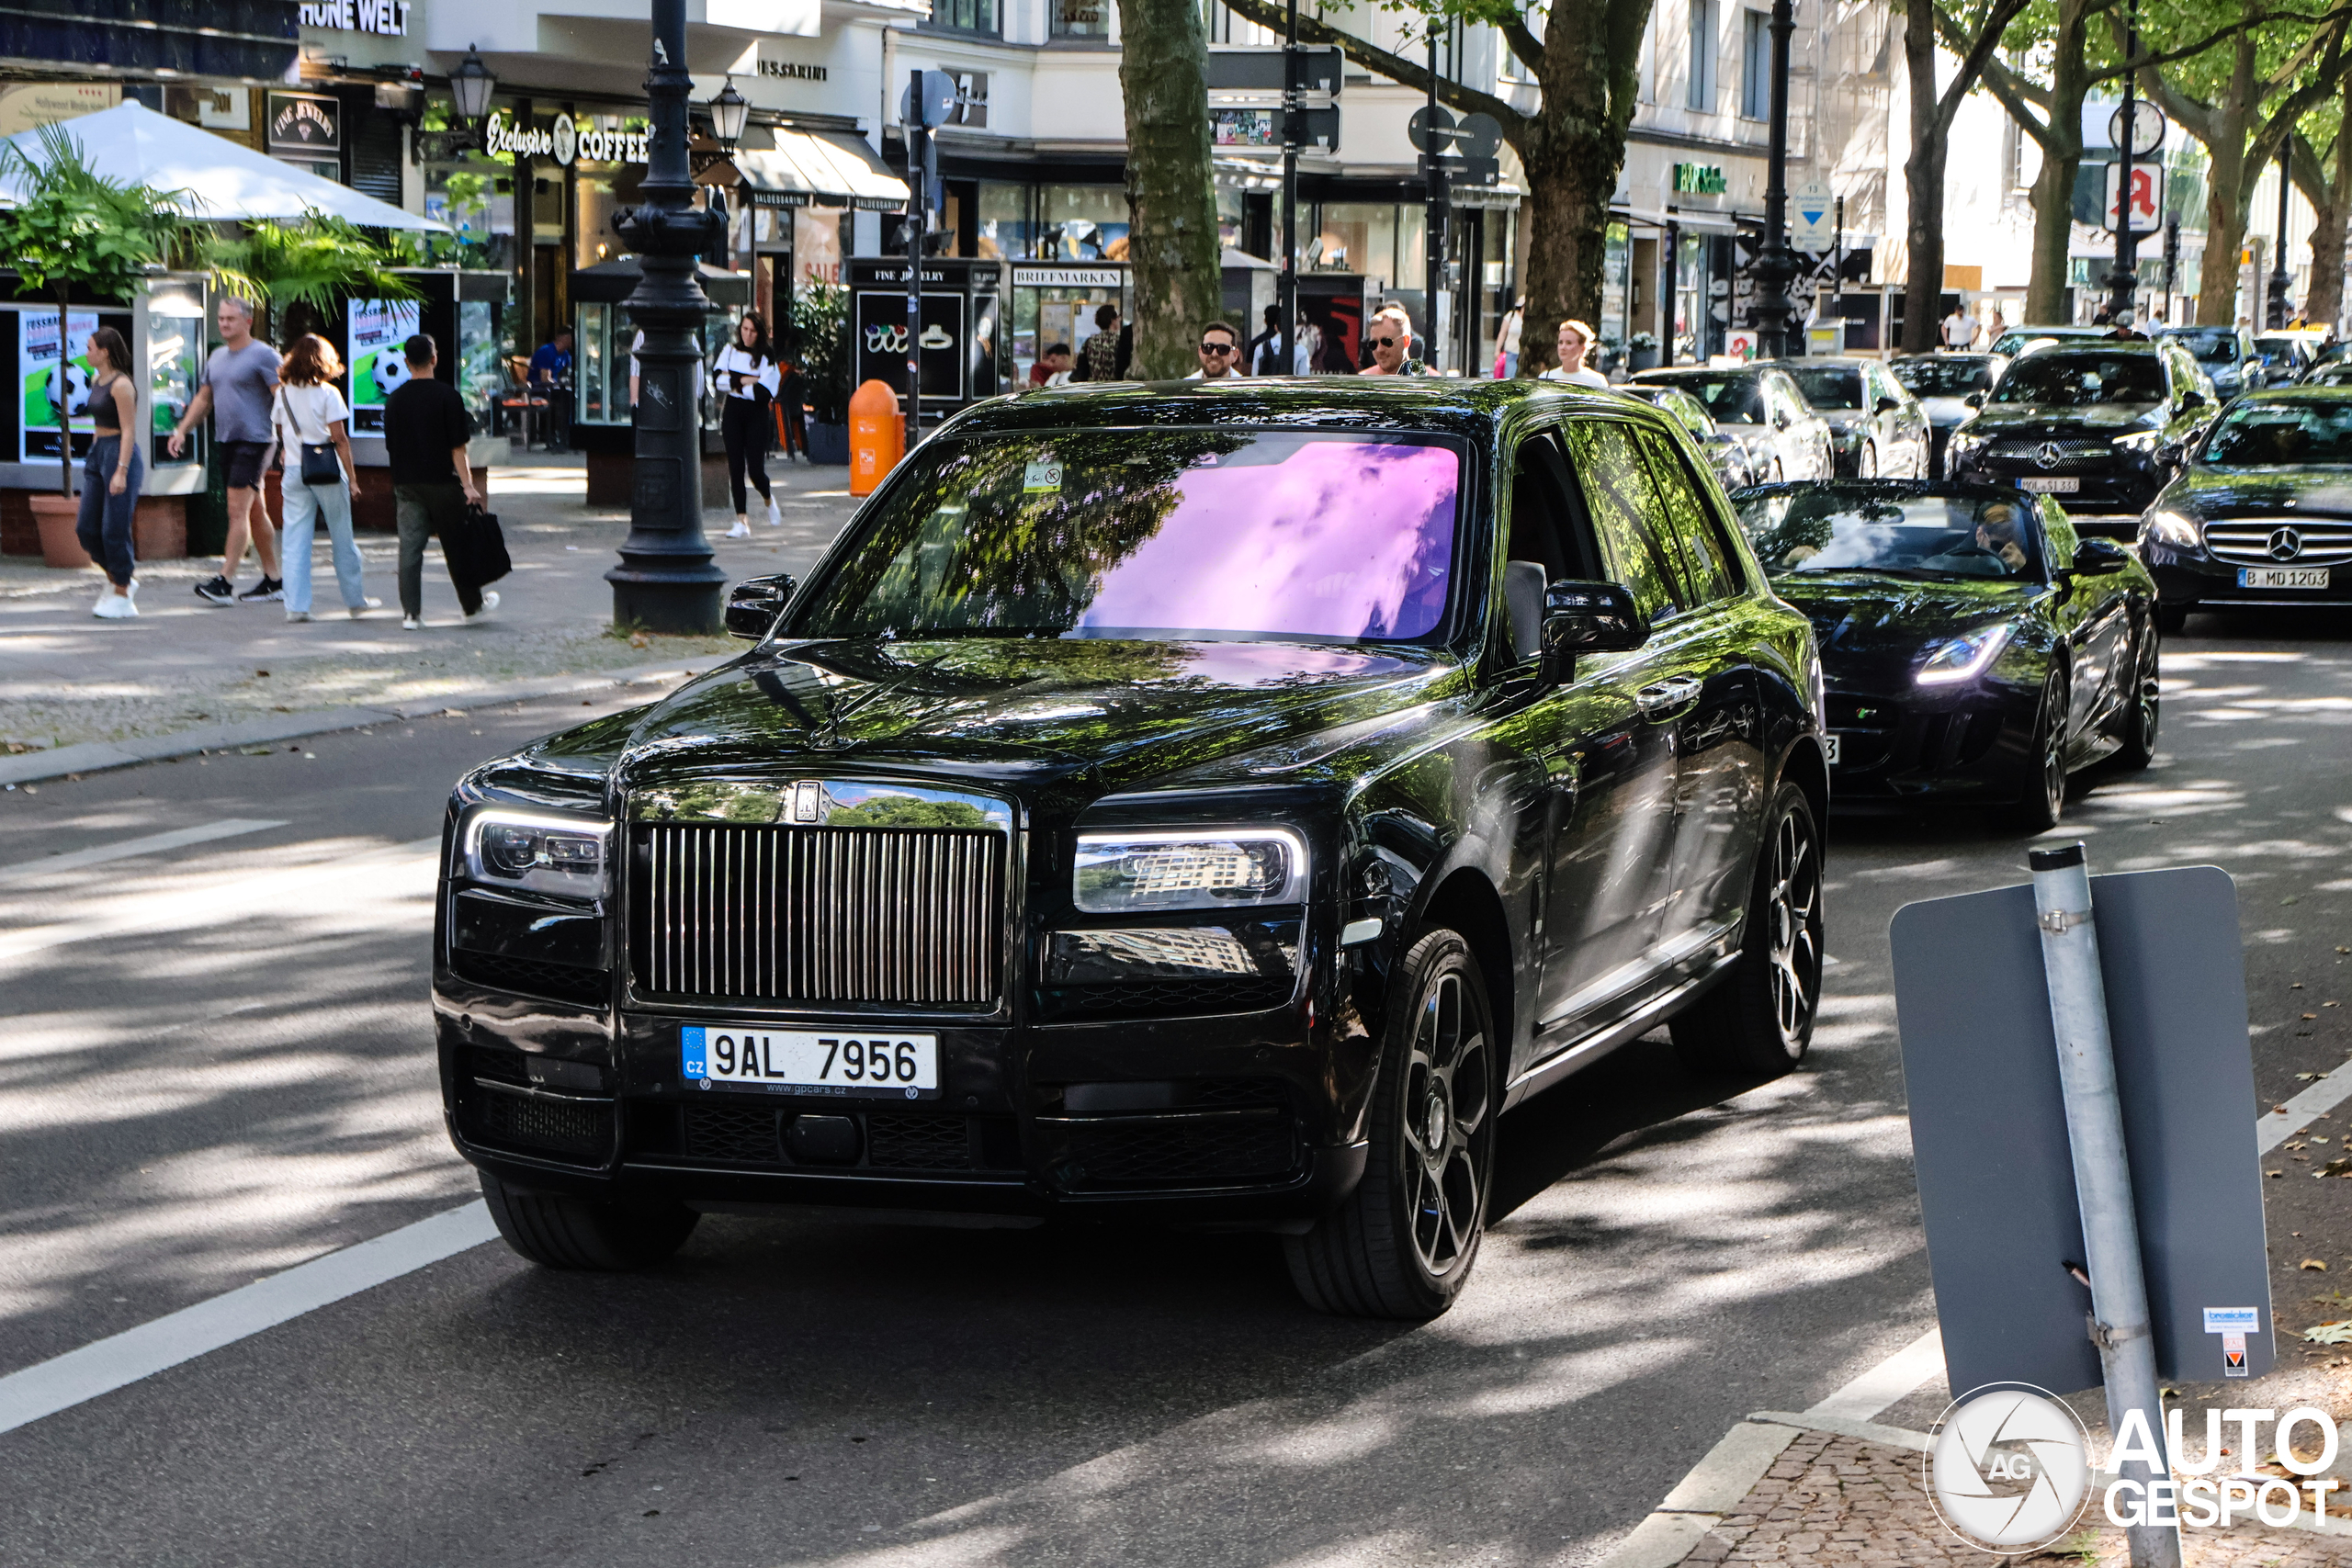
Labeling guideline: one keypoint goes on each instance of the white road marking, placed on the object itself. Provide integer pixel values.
(2272, 1128)
(1889, 1382)
(105, 1365)
(153, 843)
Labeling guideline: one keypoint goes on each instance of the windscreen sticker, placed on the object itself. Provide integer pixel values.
(1042, 475)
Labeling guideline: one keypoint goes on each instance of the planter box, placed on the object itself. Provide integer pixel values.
(1643, 359)
(55, 516)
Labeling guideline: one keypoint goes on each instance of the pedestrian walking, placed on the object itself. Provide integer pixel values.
(1506, 340)
(239, 380)
(111, 475)
(1573, 345)
(312, 426)
(425, 432)
(1960, 330)
(1266, 348)
(748, 379)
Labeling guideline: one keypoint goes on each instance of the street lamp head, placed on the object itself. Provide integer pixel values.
(728, 112)
(472, 84)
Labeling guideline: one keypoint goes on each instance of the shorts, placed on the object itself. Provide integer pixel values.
(244, 459)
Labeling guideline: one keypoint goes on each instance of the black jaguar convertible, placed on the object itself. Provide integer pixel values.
(1976, 651)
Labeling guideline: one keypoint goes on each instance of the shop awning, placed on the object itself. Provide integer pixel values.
(227, 181)
(827, 168)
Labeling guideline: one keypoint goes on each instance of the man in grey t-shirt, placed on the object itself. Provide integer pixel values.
(238, 384)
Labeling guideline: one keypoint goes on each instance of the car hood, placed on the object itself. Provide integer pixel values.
(1021, 712)
(1873, 628)
(2314, 490)
(2107, 418)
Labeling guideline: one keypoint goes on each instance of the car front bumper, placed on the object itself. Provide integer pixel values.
(1972, 747)
(2194, 577)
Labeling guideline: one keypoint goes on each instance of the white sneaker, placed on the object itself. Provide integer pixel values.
(489, 603)
(298, 614)
(775, 517)
(741, 530)
(116, 607)
(363, 606)
(410, 623)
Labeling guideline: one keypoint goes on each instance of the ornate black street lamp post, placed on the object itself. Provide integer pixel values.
(2282, 282)
(1773, 313)
(2123, 278)
(667, 581)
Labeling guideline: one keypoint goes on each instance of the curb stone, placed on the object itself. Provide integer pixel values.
(100, 756)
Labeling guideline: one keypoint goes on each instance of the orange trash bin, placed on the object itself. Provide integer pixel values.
(878, 435)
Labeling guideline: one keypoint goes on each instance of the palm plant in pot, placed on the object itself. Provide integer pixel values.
(297, 271)
(821, 332)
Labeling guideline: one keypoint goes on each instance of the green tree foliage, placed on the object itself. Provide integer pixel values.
(1163, 76)
(1583, 55)
(1982, 27)
(2322, 170)
(301, 269)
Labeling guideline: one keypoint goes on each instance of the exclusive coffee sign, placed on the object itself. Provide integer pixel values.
(302, 122)
(563, 140)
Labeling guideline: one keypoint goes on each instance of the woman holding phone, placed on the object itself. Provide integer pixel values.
(748, 377)
(310, 417)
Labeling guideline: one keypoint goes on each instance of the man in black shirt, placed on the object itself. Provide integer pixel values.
(425, 431)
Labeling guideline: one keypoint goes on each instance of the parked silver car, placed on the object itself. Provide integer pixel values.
(1878, 427)
(1728, 455)
(1950, 387)
(1761, 408)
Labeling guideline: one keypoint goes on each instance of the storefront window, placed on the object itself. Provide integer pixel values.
(1080, 18)
(1617, 260)
(1005, 229)
(601, 192)
(1356, 236)
(1085, 223)
(817, 245)
(965, 16)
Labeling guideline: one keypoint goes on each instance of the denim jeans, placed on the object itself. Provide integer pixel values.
(304, 505)
(104, 522)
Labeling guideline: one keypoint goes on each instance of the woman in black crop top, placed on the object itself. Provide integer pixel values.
(110, 477)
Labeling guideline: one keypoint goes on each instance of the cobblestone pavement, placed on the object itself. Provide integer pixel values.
(67, 677)
(1832, 1499)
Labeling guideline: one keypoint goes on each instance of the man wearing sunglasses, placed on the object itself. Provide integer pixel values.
(1391, 337)
(1220, 352)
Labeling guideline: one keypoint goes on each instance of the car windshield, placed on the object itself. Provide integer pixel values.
(1829, 386)
(1680, 404)
(1833, 529)
(1227, 534)
(2074, 378)
(1946, 377)
(2275, 350)
(2270, 435)
(1733, 398)
(2212, 345)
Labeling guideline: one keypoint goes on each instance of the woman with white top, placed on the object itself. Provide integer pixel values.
(748, 377)
(308, 414)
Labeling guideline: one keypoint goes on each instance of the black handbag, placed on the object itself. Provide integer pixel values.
(479, 552)
(320, 465)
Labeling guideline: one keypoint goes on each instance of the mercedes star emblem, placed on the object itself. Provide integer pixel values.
(2050, 456)
(2285, 544)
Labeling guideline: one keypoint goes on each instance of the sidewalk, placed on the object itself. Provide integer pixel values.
(69, 678)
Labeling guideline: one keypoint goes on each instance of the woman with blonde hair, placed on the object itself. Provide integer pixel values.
(309, 418)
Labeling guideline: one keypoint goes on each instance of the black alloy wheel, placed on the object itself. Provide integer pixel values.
(2143, 715)
(558, 1231)
(1401, 1244)
(1758, 1019)
(2043, 800)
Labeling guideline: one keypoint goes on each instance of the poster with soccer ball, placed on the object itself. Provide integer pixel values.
(37, 373)
(377, 328)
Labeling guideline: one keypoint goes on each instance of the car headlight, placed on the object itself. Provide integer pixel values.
(2171, 528)
(1126, 873)
(543, 853)
(1965, 658)
(2145, 443)
(1963, 443)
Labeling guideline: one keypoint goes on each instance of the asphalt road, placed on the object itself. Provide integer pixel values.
(217, 1065)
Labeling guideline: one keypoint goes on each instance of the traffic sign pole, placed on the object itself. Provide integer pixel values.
(1433, 247)
(1287, 281)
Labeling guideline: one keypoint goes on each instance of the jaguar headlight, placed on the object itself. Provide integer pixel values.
(2170, 528)
(542, 853)
(1965, 658)
(1132, 872)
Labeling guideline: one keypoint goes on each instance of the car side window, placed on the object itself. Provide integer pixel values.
(1705, 574)
(1626, 511)
(1543, 515)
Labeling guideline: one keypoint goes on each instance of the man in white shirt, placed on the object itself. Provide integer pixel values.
(1220, 352)
(1959, 329)
(1574, 343)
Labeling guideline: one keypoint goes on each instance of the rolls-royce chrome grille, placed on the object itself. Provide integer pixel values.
(790, 914)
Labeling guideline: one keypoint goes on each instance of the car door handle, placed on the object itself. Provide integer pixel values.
(1663, 699)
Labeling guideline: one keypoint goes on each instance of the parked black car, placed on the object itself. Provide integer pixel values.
(2226, 355)
(1877, 428)
(1729, 456)
(1976, 651)
(1202, 803)
(2101, 426)
(2262, 513)
(1951, 388)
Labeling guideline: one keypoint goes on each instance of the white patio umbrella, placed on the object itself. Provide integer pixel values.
(227, 180)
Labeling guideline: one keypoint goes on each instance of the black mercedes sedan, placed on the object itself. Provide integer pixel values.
(1977, 652)
(2262, 516)
(2100, 426)
(1206, 803)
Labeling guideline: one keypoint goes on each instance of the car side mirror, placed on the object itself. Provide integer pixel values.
(1589, 617)
(1885, 405)
(2096, 558)
(2191, 399)
(754, 604)
(1975, 399)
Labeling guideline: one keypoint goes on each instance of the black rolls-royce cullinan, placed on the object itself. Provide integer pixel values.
(1977, 652)
(1211, 802)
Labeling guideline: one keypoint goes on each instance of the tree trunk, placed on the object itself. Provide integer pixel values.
(1573, 156)
(2062, 159)
(1172, 193)
(1567, 222)
(2324, 305)
(1923, 181)
(2227, 191)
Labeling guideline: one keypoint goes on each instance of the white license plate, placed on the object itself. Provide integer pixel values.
(2051, 486)
(2282, 577)
(849, 1062)
(1831, 741)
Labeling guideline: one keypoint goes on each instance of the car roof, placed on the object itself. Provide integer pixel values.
(2301, 392)
(1459, 405)
(1817, 362)
(1671, 375)
(1942, 358)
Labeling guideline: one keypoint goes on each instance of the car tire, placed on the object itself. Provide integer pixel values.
(2145, 715)
(1402, 1244)
(2044, 799)
(2173, 619)
(1758, 1019)
(558, 1231)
